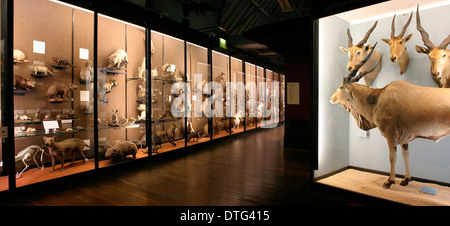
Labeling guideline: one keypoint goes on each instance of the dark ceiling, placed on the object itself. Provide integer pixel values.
(260, 27)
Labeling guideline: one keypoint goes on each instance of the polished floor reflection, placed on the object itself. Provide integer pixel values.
(247, 170)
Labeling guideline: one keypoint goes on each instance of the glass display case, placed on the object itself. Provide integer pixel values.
(260, 80)
(251, 96)
(387, 105)
(282, 97)
(268, 119)
(198, 122)
(122, 91)
(236, 96)
(50, 108)
(275, 99)
(221, 124)
(168, 92)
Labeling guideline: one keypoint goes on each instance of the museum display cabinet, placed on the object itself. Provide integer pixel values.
(199, 72)
(382, 136)
(251, 95)
(85, 86)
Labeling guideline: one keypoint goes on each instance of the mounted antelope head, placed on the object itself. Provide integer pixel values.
(439, 60)
(357, 53)
(397, 46)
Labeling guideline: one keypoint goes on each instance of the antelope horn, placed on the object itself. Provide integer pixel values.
(393, 26)
(445, 43)
(362, 74)
(364, 40)
(406, 26)
(350, 39)
(352, 74)
(425, 36)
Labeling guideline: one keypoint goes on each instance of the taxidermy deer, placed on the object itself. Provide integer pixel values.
(401, 111)
(397, 46)
(357, 53)
(440, 63)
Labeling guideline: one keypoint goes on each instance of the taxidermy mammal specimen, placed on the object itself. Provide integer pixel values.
(61, 61)
(439, 60)
(59, 149)
(119, 151)
(87, 71)
(21, 83)
(19, 56)
(40, 69)
(60, 89)
(397, 46)
(118, 59)
(357, 53)
(401, 111)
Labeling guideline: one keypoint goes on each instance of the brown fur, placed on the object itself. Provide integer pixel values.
(64, 90)
(59, 149)
(119, 151)
(21, 83)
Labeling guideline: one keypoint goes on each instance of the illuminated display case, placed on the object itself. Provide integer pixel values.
(109, 88)
(52, 105)
(122, 91)
(251, 95)
(221, 124)
(373, 134)
(237, 98)
(168, 91)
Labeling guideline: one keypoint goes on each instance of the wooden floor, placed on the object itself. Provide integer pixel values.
(248, 170)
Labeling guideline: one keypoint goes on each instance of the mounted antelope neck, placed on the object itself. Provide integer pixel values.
(440, 63)
(401, 111)
(357, 53)
(397, 46)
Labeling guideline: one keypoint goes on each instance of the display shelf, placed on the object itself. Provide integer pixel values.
(23, 92)
(42, 132)
(39, 76)
(40, 121)
(60, 66)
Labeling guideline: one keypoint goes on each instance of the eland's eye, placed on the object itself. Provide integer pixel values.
(444, 55)
(401, 42)
(341, 87)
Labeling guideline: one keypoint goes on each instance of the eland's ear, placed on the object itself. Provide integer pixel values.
(344, 50)
(421, 49)
(385, 40)
(408, 37)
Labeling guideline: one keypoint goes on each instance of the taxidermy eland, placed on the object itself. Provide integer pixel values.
(439, 56)
(401, 111)
(397, 46)
(357, 53)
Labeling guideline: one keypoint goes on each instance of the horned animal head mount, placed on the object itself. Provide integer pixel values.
(343, 93)
(358, 52)
(438, 55)
(397, 45)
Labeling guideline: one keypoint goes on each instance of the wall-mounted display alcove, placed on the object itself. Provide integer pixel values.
(383, 134)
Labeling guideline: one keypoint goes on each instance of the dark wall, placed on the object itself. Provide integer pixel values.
(299, 117)
(293, 39)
